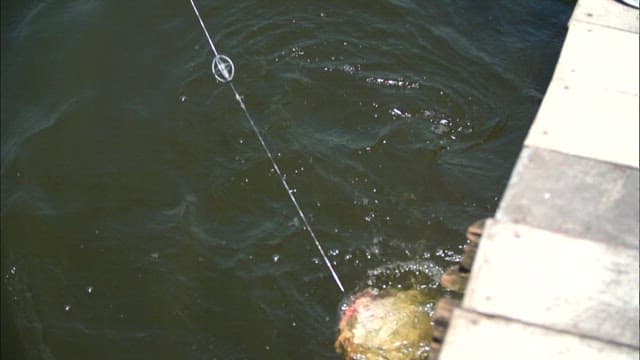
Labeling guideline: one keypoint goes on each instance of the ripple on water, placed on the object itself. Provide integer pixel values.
(30, 122)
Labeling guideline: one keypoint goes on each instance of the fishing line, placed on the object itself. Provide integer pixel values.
(223, 69)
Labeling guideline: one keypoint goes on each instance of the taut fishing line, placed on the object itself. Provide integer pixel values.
(223, 70)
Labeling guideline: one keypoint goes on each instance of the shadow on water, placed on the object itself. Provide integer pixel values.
(140, 217)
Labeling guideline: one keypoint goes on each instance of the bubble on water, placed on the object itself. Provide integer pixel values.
(334, 252)
(89, 289)
(344, 306)
(296, 52)
(155, 255)
(394, 82)
(409, 274)
(350, 69)
(448, 255)
(182, 98)
(275, 257)
(67, 308)
(13, 270)
(370, 217)
(439, 129)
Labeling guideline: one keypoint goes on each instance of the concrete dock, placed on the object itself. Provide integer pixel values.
(556, 275)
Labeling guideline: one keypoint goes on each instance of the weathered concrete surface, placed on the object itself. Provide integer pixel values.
(608, 63)
(591, 107)
(556, 272)
(476, 336)
(556, 281)
(606, 13)
(575, 196)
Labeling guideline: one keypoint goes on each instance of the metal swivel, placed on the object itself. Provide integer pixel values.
(222, 68)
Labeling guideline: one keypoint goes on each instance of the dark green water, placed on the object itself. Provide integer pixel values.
(140, 217)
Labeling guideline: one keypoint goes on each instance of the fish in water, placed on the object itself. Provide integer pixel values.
(388, 324)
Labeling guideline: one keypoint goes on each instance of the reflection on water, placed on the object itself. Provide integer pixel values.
(141, 218)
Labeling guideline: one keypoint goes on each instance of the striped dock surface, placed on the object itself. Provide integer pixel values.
(556, 272)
